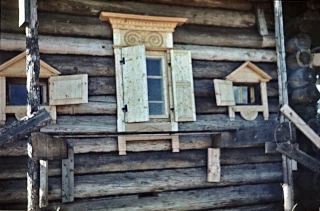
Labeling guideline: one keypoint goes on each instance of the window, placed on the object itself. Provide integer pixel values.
(157, 85)
(17, 91)
(247, 94)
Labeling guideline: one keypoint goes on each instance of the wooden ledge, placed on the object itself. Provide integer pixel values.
(105, 16)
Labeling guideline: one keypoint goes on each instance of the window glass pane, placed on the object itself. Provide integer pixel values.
(155, 89)
(154, 67)
(240, 94)
(156, 108)
(18, 94)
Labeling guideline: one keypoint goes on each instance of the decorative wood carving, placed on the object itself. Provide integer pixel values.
(247, 73)
(152, 31)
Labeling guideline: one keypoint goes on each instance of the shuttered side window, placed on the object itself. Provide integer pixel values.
(224, 92)
(182, 84)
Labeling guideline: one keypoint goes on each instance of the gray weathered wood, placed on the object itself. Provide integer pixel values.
(85, 46)
(301, 77)
(15, 167)
(261, 21)
(300, 156)
(299, 59)
(217, 199)
(306, 94)
(43, 190)
(98, 185)
(20, 129)
(73, 25)
(46, 147)
(298, 42)
(67, 189)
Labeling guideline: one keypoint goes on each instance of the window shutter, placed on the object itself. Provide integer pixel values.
(224, 92)
(182, 83)
(65, 90)
(135, 88)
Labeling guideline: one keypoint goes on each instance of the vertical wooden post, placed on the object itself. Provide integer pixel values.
(2, 100)
(32, 69)
(68, 175)
(43, 190)
(283, 99)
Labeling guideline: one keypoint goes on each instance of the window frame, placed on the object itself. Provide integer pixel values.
(165, 76)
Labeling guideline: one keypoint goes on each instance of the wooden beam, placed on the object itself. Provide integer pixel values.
(301, 125)
(261, 21)
(316, 59)
(85, 46)
(283, 99)
(22, 128)
(24, 12)
(43, 190)
(46, 147)
(67, 190)
(214, 170)
(300, 156)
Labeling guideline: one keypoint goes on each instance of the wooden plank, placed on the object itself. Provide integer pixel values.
(182, 84)
(316, 59)
(20, 129)
(24, 12)
(84, 46)
(67, 189)
(71, 89)
(2, 100)
(43, 189)
(46, 147)
(261, 21)
(300, 124)
(121, 183)
(220, 199)
(214, 170)
(134, 72)
(299, 156)
(223, 92)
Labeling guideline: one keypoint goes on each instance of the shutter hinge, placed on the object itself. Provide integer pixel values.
(125, 108)
(123, 61)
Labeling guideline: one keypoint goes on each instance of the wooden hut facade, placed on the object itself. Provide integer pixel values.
(127, 155)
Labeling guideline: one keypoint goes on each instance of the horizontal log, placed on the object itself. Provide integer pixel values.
(301, 77)
(306, 94)
(71, 25)
(22, 128)
(205, 16)
(16, 167)
(299, 59)
(147, 181)
(306, 110)
(298, 42)
(97, 203)
(85, 46)
(250, 137)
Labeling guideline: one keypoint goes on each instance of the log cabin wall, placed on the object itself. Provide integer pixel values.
(150, 177)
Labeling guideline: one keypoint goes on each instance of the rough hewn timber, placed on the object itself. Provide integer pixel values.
(15, 167)
(306, 94)
(298, 42)
(85, 46)
(148, 181)
(301, 77)
(299, 59)
(109, 144)
(22, 128)
(206, 16)
(71, 25)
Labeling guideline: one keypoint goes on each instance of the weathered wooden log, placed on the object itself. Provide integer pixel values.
(206, 16)
(300, 59)
(22, 128)
(15, 167)
(301, 77)
(84, 46)
(306, 94)
(300, 42)
(98, 185)
(97, 203)
(250, 137)
(71, 25)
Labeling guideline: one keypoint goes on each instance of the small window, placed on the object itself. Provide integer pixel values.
(247, 94)
(157, 86)
(17, 91)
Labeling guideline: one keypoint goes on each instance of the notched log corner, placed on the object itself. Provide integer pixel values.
(21, 128)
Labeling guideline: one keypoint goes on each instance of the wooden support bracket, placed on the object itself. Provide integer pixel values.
(68, 176)
(214, 170)
(122, 141)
